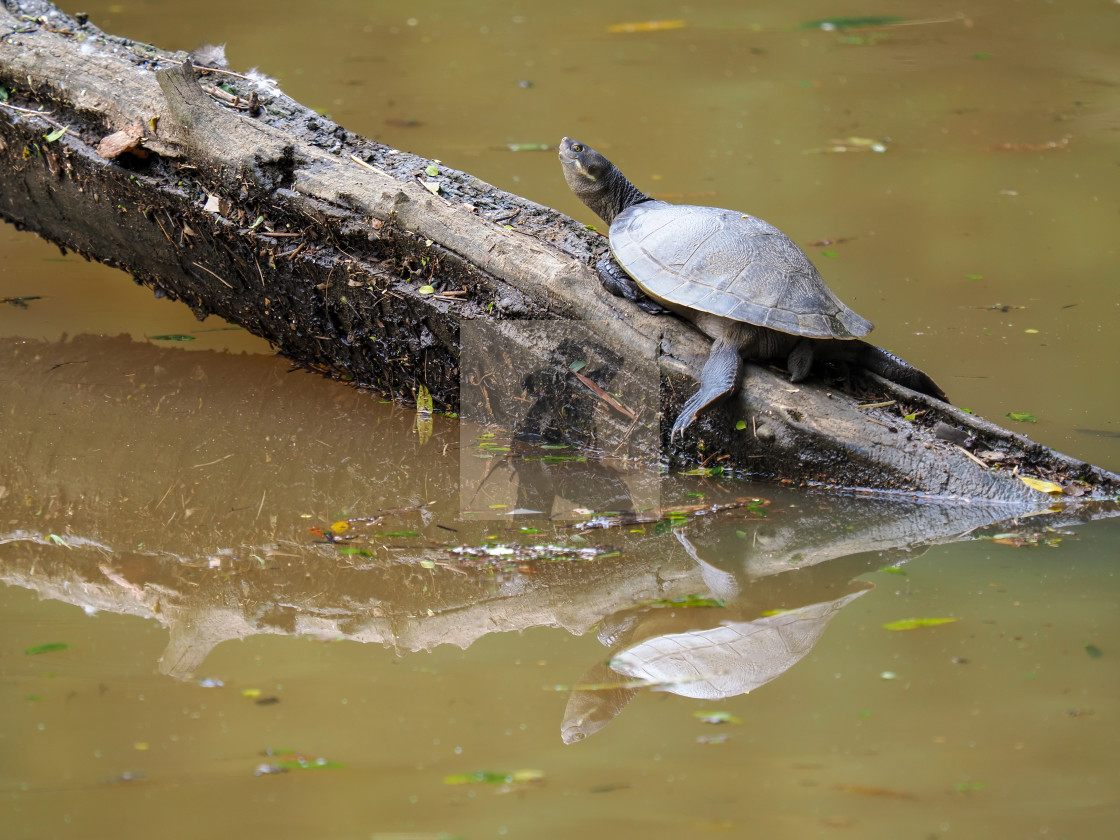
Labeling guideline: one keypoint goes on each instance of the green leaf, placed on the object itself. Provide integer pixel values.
(982, 56)
(828, 254)
(913, 623)
(49, 647)
(1022, 416)
(1094, 651)
(55, 135)
(974, 277)
(427, 290)
(687, 601)
(834, 23)
(398, 534)
(173, 337)
(3, 94)
(484, 777)
(432, 171)
(892, 570)
(742, 424)
(576, 367)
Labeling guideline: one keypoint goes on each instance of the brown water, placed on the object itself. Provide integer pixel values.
(156, 498)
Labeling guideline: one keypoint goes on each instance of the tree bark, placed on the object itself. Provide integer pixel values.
(249, 206)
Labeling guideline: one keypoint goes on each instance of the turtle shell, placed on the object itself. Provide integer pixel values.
(731, 264)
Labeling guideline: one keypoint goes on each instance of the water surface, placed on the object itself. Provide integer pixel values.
(157, 498)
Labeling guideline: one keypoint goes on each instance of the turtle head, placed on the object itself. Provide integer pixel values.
(596, 181)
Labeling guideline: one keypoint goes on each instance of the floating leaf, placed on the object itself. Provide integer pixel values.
(687, 601)
(528, 147)
(1094, 651)
(892, 570)
(484, 777)
(306, 764)
(398, 534)
(1041, 484)
(982, 56)
(833, 23)
(340, 527)
(829, 254)
(173, 337)
(716, 717)
(49, 647)
(432, 171)
(647, 26)
(974, 277)
(1022, 416)
(912, 623)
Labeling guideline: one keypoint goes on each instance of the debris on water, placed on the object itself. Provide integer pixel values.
(914, 623)
(20, 302)
(268, 770)
(211, 683)
(173, 337)
(1027, 537)
(722, 738)
(1031, 147)
(1094, 651)
(485, 777)
(832, 24)
(687, 601)
(852, 144)
(285, 760)
(673, 516)
(871, 790)
(716, 718)
(646, 26)
(528, 147)
(1021, 416)
(49, 647)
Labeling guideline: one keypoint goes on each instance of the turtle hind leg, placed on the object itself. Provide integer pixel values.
(889, 366)
(620, 284)
(718, 378)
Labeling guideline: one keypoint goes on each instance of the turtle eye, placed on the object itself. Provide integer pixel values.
(577, 147)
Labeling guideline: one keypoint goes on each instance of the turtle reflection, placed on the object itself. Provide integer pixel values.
(701, 653)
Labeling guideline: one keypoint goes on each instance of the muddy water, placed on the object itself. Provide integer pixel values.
(158, 498)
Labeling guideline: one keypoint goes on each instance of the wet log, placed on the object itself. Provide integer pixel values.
(357, 261)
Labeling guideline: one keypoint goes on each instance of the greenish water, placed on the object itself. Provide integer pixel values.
(156, 501)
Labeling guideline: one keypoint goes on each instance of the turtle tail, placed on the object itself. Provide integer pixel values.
(889, 366)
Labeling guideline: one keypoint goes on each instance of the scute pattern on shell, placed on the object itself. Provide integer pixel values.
(728, 263)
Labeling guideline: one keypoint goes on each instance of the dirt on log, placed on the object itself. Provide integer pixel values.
(355, 260)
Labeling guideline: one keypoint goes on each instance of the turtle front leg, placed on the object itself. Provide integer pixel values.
(620, 284)
(719, 376)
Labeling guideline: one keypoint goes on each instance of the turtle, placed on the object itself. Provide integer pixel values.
(740, 280)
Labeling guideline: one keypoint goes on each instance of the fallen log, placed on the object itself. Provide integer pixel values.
(363, 262)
